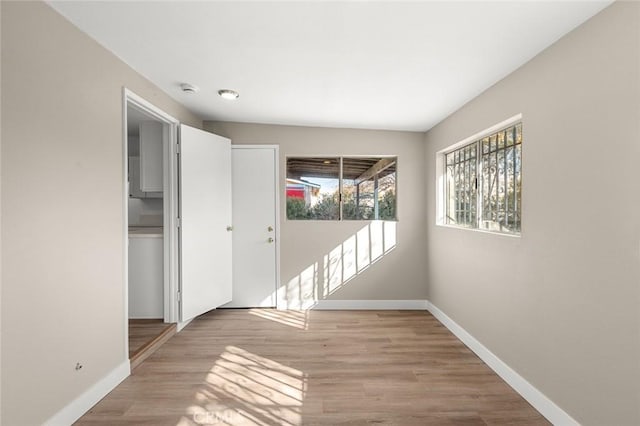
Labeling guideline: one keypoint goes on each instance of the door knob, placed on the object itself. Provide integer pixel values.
(270, 240)
(229, 228)
(270, 229)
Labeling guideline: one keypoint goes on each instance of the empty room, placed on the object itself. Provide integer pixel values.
(320, 213)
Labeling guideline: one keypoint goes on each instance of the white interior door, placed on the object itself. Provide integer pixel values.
(205, 214)
(254, 227)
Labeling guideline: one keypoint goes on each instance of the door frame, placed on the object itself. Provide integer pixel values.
(170, 208)
(276, 155)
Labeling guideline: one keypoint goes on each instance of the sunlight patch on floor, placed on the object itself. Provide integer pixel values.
(295, 319)
(243, 388)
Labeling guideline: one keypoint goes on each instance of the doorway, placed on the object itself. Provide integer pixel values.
(150, 265)
(178, 219)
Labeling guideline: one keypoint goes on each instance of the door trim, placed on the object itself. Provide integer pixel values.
(170, 206)
(276, 158)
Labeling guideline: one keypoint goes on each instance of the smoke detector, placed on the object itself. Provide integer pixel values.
(189, 88)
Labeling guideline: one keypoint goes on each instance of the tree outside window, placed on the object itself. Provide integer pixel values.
(347, 188)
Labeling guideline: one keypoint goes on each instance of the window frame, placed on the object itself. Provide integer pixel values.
(340, 157)
(471, 181)
(441, 179)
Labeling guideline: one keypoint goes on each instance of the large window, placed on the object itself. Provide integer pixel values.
(483, 182)
(341, 188)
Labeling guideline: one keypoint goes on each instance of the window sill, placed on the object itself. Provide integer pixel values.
(341, 220)
(481, 231)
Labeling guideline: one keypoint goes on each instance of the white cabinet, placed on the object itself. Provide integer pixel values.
(135, 173)
(146, 288)
(146, 161)
(134, 178)
(151, 163)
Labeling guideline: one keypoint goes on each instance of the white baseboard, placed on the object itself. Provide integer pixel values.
(540, 402)
(76, 408)
(370, 305)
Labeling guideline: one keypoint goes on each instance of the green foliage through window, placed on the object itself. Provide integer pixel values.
(349, 188)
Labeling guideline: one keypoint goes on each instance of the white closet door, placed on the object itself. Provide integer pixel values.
(254, 227)
(205, 215)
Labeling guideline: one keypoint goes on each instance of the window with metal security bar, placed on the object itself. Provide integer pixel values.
(483, 182)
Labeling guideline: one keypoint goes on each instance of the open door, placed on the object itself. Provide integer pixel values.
(205, 221)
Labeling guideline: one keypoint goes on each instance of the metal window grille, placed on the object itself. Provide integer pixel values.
(483, 182)
(501, 180)
(461, 194)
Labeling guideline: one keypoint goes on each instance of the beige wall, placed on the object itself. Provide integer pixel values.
(397, 275)
(561, 303)
(566, 316)
(62, 209)
(0, 221)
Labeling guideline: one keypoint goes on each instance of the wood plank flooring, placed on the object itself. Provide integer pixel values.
(267, 367)
(152, 346)
(142, 331)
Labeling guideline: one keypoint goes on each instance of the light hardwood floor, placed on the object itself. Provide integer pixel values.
(267, 367)
(143, 331)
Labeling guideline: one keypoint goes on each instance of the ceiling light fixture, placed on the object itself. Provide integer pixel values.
(228, 94)
(189, 88)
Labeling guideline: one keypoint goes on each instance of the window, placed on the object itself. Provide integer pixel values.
(313, 188)
(483, 182)
(341, 188)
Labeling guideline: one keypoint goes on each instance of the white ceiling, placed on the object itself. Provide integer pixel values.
(378, 65)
